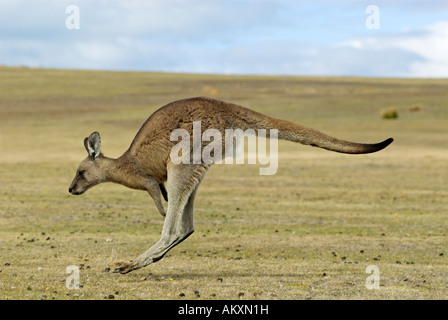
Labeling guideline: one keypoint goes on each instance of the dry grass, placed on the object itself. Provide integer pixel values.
(308, 232)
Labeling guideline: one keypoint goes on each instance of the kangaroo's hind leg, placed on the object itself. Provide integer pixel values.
(182, 184)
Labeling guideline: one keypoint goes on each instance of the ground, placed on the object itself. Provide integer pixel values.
(308, 232)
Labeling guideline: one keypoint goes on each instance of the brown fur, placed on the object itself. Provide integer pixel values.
(146, 164)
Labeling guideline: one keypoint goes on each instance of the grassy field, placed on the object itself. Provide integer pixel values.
(308, 232)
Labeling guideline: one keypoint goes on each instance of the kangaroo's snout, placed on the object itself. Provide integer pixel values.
(72, 191)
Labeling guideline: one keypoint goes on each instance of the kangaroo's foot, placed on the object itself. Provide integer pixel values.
(126, 268)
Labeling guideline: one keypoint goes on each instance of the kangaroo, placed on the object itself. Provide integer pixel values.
(146, 165)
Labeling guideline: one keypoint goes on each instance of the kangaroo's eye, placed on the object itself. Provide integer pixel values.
(81, 173)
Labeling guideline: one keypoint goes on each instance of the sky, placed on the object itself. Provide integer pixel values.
(261, 37)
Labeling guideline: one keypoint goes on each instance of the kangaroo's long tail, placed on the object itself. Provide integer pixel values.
(293, 132)
(316, 138)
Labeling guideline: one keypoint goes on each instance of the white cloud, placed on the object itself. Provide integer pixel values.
(427, 48)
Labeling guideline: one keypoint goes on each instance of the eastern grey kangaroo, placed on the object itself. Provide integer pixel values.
(146, 165)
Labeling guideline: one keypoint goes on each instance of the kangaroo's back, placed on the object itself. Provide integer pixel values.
(213, 114)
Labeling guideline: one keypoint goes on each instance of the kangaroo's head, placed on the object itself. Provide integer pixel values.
(89, 172)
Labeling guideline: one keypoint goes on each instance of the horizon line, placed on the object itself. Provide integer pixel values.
(218, 74)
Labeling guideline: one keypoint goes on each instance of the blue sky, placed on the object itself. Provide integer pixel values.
(272, 37)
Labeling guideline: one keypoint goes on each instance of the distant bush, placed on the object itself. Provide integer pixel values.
(210, 90)
(390, 113)
(415, 108)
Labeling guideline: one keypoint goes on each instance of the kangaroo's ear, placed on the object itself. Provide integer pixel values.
(93, 145)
